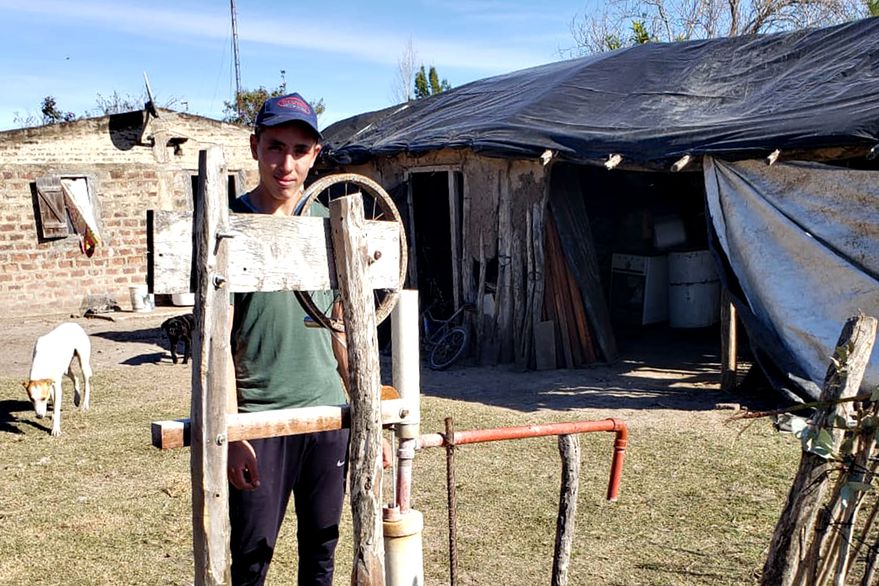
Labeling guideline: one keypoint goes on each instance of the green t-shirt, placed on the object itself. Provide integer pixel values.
(280, 363)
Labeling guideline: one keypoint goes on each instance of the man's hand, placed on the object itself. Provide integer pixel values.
(242, 468)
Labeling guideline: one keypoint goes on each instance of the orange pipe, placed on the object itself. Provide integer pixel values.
(435, 440)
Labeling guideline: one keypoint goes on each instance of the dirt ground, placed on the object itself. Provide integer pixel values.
(660, 372)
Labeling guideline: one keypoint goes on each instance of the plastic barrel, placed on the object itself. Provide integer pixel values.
(693, 289)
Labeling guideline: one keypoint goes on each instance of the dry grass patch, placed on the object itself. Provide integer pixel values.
(100, 506)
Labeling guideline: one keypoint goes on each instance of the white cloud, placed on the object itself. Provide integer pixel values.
(337, 37)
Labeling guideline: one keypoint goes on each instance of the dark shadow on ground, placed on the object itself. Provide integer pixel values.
(153, 358)
(658, 368)
(154, 335)
(10, 422)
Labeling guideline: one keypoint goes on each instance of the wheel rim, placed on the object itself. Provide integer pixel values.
(377, 205)
(448, 349)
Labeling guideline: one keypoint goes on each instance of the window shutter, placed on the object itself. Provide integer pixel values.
(53, 214)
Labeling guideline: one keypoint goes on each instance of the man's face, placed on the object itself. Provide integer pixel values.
(285, 154)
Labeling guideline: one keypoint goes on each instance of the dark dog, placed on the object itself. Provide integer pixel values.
(179, 329)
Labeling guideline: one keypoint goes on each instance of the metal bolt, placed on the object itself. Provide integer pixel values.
(219, 281)
(377, 254)
(221, 439)
(404, 413)
(221, 235)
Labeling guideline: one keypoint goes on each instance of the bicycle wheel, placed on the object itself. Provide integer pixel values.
(377, 205)
(450, 348)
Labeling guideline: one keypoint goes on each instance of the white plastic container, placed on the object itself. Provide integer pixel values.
(140, 298)
(183, 299)
(693, 289)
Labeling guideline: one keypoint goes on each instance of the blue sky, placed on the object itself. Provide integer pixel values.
(344, 52)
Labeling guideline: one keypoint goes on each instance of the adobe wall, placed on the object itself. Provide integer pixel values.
(499, 199)
(130, 171)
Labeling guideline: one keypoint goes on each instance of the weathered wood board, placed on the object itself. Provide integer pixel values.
(270, 253)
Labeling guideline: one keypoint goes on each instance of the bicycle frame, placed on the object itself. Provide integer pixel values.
(433, 329)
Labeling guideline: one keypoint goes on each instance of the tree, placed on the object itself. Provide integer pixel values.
(678, 20)
(51, 113)
(250, 101)
(428, 83)
(437, 86)
(422, 88)
(403, 82)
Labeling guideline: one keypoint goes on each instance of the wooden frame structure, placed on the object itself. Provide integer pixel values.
(267, 253)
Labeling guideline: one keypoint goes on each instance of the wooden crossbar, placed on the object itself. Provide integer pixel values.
(174, 433)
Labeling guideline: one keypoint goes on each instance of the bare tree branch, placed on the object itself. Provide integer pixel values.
(608, 27)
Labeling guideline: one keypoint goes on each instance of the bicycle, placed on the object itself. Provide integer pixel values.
(444, 342)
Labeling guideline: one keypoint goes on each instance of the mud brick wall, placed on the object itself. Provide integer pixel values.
(132, 166)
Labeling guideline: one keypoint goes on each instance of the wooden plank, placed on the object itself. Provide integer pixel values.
(525, 334)
(572, 222)
(581, 328)
(481, 326)
(555, 278)
(504, 302)
(544, 345)
(270, 253)
(412, 237)
(175, 433)
(455, 237)
(365, 456)
(728, 343)
(208, 457)
(537, 231)
(790, 541)
(468, 283)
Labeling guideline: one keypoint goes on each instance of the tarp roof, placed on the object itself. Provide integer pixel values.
(649, 103)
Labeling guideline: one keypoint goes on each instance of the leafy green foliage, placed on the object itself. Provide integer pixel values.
(249, 102)
(427, 83)
(640, 34)
(51, 113)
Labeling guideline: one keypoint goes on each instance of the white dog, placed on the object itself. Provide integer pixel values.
(53, 357)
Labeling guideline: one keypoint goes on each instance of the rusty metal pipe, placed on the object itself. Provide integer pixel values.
(473, 436)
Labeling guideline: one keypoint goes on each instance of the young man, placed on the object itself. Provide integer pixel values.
(279, 363)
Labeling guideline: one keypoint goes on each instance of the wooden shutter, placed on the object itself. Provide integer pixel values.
(53, 214)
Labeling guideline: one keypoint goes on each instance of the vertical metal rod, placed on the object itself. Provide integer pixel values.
(239, 108)
(453, 501)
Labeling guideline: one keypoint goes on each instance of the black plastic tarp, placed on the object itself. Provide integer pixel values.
(649, 103)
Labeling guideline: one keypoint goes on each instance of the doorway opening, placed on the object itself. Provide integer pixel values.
(436, 199)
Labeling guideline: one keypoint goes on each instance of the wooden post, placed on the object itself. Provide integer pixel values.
(790, 542)
(455, 236)
(210, 489)
(569, 448)
(728, 343)
(351, 257)
(504, 299)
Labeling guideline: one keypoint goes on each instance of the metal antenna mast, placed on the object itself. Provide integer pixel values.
(237, 62)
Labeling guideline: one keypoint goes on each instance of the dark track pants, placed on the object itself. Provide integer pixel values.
(313, 468)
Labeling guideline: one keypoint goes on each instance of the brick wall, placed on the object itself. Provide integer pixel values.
(129, 174)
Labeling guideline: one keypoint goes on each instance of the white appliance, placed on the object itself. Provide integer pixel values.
(639, 288)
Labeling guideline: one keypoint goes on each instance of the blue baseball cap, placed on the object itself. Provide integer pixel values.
(286, 109)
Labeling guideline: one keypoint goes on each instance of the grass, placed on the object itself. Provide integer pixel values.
(100, 506)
